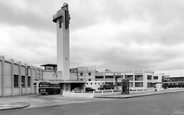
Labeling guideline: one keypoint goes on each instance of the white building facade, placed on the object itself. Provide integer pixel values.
(17, 78)
(138, 79)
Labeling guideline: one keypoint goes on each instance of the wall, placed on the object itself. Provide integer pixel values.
(9, 68)
(133, 81)
(49, 75)
(94, 84)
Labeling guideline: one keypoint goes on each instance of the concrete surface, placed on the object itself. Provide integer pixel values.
(19, 102)
(14, 102)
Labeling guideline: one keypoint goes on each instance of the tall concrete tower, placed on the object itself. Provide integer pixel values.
(62, 18)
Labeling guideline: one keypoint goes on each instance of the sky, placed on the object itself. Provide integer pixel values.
(106, 34)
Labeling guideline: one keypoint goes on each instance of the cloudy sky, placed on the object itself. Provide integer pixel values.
(113, 34)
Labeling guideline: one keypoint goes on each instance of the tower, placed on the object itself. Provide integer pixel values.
(62, 18)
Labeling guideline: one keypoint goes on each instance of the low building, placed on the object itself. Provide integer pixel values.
(17, 78)
(173, 82)
(50, 74)
(138, 80)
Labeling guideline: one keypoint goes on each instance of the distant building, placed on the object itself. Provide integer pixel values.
(173, 82)
(137, 79)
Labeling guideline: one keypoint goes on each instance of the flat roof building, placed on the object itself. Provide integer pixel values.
(17, 78)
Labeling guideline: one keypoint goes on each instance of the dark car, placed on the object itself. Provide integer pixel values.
(89, 89)
(106, 86)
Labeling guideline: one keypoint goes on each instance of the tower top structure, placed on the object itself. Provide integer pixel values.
(63, 15)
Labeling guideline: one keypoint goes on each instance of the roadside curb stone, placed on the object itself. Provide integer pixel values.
(138, 94)
(15, 105)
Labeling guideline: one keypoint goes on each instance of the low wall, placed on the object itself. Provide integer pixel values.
(91, 94)
(103, 93)
(72, 94)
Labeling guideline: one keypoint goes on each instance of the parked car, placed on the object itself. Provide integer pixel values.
(89, 89)
(77, 90)
(106, 86)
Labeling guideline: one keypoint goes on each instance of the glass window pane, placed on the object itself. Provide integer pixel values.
(129, 77)
(138, 84)
(138, 77)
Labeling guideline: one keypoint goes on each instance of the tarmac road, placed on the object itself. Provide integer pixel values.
(51, 100)
(166, 104)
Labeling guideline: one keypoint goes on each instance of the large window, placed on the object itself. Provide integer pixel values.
(149, 77)
(23, 81)
(16, 81)
(99, 77)
(108, 76)
(150, 85)
(138, 77)
(129, 77)
(155, 77)
(29, 81)
(138, 84)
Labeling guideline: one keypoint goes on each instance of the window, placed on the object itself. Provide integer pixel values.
(29, 81)
(99, 77)
(149, 85)
(108, 76)
(81, 74)
(110, 83)
(155, 77)
(89, 74)
(91, 83)
(49, 68)
(23, 81)
(89, 79)
(60, 23)
(129, 77)
(138, 77)
(149, 77)
(138, 84)
(16, 81)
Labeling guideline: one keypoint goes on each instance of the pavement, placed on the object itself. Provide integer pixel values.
(143, 93)
(20, 102)
(14, 102)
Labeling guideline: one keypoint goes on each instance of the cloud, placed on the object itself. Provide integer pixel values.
(22, 13)
(28, 46)
(117, 35)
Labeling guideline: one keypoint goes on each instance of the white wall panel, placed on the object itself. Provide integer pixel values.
(23, 70)
(16, 91)
(7, 81)
(7, 92)
(16, 69)
(7, 69)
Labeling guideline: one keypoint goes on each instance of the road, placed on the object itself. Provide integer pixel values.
(165, 104)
